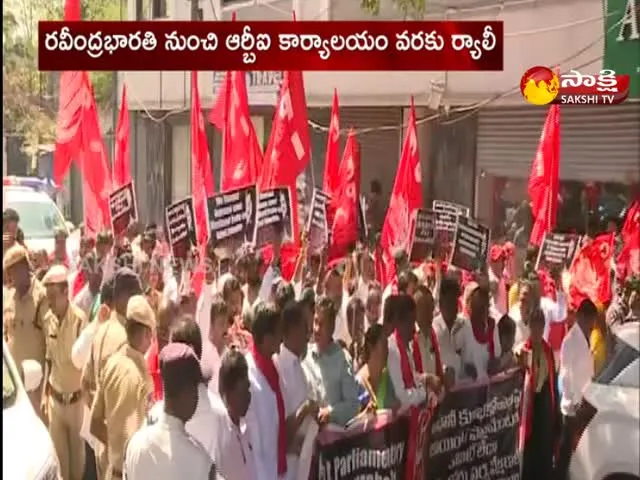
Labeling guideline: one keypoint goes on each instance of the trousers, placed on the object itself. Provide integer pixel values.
(64, 427)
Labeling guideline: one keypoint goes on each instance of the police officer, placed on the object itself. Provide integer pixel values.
(26, 313)
(109, 338)
(125, 390)
(63, 387)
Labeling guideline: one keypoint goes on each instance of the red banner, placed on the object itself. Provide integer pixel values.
(346, 46)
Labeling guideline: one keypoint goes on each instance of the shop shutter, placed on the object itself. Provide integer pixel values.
(598, 143)
(379, 149)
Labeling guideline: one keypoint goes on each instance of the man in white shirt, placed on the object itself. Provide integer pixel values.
(409, 386)
(528, 299)
(266, 415)
(164, 449)
(576, 371)
(213, 319)
(232, 448)
(92, 271)
(496, 280)
(449, 327)
(296, 392)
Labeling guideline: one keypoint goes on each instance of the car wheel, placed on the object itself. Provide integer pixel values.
(622, 476)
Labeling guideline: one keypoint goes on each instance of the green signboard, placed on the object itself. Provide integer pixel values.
(622, 41)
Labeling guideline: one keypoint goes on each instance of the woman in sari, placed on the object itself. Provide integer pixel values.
(378, 393)
(540, 415)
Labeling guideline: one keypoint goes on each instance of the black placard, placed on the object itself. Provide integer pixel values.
(123, 208)
(232, 217)
(424, 234)
(274, 217)
(557, 250)
(470, 245)
(475, 431)
(380, 452)
(446, 214)
(317, 226)
(181, 227)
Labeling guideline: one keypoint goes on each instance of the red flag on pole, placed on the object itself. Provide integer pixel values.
(241, 152)
(344, 227)
(78, 136)
(590, 272)
(406, 198)
(121, 162)
(201, 181)
(331, 178)
(201, 175)
(628, 261)
(544, 178)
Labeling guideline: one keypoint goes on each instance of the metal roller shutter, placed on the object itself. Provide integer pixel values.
(597, 142)
(379, 150)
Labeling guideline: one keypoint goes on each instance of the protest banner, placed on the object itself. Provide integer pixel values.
(317, 226)
(376, 450)
(470, 245)
(123, 209)
(474, 432)
(274, 218)
(181, 227)
(557, 250)
(232, 218)
(424, 235)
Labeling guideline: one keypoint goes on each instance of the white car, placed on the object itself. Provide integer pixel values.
(607, 448)
(27, 449)
(39, 218)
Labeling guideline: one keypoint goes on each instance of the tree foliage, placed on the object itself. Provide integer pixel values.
(410, 9)
(29, 95)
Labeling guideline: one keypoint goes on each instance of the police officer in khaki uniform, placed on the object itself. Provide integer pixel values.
(125, 389)
(63, 387)
(26, 314)
(109, 338)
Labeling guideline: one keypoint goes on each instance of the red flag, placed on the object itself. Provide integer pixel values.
(406, 198)
(201, 176)
(121, 163)
(331, 178)
(628, 261)
(543, 181)
(241, 152)
(590, 271)
(344, 230)
(201, 181)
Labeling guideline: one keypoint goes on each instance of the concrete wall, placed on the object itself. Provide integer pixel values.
(537, 32)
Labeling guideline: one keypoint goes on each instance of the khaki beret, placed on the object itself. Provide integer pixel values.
(139, 310)
(14, 255)
(56, 274)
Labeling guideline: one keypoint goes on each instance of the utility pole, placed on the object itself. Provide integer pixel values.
(195, 11)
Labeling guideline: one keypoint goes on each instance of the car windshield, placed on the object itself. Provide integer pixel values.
(38, 218)
(617, 370)
(8, 386)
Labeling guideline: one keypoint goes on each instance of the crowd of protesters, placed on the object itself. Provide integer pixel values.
(145, 378)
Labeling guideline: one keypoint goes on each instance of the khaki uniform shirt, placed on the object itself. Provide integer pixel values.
(122, 401)
(110, 337)
(64, 377)
(25, 321)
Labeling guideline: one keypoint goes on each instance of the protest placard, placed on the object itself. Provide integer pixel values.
(232, 217)
(470, 245)
(123, 209)
(424, 235)
(317, 226)
(557, 250)
(474, 432)
(274, 217)
(181, 227)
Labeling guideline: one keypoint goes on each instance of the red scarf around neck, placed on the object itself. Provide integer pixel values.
(486, 337)
(405, 365)
(268, 369)
(417, 355)
(530, 389)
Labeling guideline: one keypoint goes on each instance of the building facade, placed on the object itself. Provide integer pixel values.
(477, 136)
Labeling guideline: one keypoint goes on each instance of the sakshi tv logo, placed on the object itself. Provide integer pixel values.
(542, 86)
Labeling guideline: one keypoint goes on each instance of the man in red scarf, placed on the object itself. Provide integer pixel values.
(266, 413)
(424, 346)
